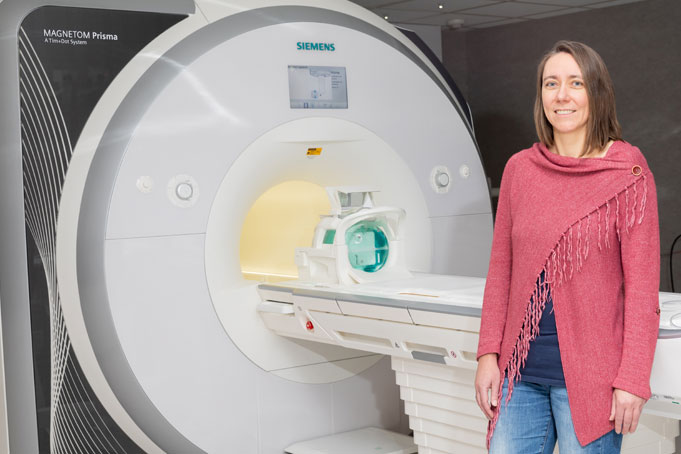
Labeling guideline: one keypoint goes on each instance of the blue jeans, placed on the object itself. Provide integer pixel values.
(535, 417)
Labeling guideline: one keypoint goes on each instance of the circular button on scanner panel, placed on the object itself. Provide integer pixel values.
(145, 184)
(440, 179)
(183, 191)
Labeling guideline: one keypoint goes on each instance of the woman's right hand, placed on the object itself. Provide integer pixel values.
(487, 383)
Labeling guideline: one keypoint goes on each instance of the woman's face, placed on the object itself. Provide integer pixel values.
(564, 97)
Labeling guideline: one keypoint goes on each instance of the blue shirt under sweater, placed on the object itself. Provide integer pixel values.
(543, 365)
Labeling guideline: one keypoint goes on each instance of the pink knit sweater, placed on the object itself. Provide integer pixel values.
(591, 225)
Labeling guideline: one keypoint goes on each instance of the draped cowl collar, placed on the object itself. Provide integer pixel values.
(618, 157)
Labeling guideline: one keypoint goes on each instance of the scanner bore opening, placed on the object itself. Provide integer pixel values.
(283, 218)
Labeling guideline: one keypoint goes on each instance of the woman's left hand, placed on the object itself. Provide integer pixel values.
(626, 409)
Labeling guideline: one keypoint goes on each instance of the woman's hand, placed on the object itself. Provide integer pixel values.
(626, 409)
(487, 382)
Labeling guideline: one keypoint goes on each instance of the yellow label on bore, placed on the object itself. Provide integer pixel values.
(314, 151)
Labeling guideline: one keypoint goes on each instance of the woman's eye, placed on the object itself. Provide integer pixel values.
(550, 84)
(578, 83)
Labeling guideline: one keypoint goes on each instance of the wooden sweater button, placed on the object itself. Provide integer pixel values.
(636, 170)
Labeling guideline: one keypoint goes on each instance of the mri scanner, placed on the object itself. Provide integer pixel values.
(231, 214)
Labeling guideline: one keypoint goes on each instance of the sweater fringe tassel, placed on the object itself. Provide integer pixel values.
(560, 266)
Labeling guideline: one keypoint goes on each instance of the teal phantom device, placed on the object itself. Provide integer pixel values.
(356, 242)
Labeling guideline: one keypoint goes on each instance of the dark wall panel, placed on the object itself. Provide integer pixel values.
(641, 44)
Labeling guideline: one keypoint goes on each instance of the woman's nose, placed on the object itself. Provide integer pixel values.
(562, 92)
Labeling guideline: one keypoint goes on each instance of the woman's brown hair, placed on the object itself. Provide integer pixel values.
(602, 125)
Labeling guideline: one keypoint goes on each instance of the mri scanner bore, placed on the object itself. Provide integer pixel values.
(267, 254)
(180, 227)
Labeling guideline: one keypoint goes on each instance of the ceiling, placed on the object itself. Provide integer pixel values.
(470, 14)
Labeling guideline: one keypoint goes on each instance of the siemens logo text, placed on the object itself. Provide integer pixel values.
(328, 47)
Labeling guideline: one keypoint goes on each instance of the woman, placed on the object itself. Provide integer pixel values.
(570, 313)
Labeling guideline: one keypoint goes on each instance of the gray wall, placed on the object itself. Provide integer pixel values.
(641, 44)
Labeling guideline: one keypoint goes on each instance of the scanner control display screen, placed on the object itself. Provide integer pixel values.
(317, 87)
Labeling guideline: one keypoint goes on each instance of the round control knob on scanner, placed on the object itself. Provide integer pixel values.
(184, 191)
(442, 179)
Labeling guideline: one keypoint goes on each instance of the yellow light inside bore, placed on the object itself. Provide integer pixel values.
(282, 219)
